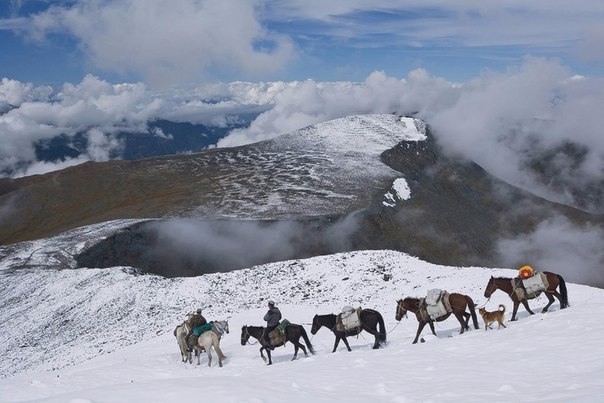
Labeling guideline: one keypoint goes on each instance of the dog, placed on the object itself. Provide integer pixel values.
(490, 317)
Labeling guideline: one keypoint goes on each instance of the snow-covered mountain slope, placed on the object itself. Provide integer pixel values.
(69, 320)
(329, 168)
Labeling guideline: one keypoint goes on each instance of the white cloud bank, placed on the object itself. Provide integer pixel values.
(167, 42)
(501, 120)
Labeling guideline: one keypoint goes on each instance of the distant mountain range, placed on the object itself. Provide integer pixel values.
(161, 137)
(322, 189)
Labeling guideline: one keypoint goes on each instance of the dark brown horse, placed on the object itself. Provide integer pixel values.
(458, 302)
(505, 284)
(369, 318)
(293, 332)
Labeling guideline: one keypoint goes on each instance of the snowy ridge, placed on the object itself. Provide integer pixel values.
(58, 319)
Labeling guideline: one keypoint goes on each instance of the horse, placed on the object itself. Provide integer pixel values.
(369, 319)
(505, 284)
(293, 332)
(220, 327)
(203, 342)
(181, 338)
(206, 341)
(458, 302)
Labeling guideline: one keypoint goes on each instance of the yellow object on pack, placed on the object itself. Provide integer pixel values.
(525, 272)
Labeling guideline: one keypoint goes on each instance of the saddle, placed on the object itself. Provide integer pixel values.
(349, 320)
(435, 305)
(531, 287)
(277, 336)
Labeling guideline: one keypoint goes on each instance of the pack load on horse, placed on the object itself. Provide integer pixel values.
(368, 320)
(529, 284)
(348, 320)
(291, 332)
(521, 290)
(435, 305)
(457, 304)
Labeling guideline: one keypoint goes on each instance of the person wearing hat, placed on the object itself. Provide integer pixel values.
(194, 321)
(272, 318)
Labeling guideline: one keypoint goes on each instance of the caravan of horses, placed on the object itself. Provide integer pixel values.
(436, 307)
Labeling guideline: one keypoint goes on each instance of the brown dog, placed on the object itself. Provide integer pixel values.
(490, 317)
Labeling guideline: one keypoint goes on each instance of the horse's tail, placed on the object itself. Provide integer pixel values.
(563, 292)
(307, 340)
(382, 327)
(472, 310)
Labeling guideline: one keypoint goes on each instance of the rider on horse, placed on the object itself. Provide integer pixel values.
(194, 321)
(272, 318)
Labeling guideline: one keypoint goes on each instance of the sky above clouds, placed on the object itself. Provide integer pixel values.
(194, 41)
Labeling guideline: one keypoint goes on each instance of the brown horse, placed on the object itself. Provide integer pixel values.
(505, 284)
(458, 302)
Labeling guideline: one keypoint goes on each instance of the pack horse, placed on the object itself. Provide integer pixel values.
(370, 321)
(458, 303)
(511, 287)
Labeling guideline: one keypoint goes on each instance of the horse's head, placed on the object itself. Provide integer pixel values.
(400, 310)
(491, 287)
(315, 325)
(225, 325)
(245, 335)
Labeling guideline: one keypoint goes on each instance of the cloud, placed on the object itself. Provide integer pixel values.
(171, 42)
(441, 23)
(508, 122)
(29, 114)
(224, 245)
(557, 245)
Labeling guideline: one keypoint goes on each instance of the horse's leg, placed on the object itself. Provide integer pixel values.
(262, 354)
(296, 348)
(221, 356)
(270, 359)
(301, 345)
(209, 356)
(335, 344)
(467, 316)
(551, 301)
(461, 321)
(375, 333)
(526, 306)
(515, 310)
(432, 327)
(345, 339)
(420, 327)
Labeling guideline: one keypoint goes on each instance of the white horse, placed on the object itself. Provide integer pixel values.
(180, 332)
(206, 341)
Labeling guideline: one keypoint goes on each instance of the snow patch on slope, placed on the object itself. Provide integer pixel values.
(399, 191)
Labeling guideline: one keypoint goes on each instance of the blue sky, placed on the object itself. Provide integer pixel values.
(182, 42)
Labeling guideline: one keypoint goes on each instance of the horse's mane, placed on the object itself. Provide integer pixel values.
(410, 299)
(501, 278)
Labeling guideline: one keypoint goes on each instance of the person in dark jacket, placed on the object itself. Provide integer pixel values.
(194, 321)
(272, 318)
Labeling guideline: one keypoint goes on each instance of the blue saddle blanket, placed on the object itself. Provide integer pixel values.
(200, 329)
